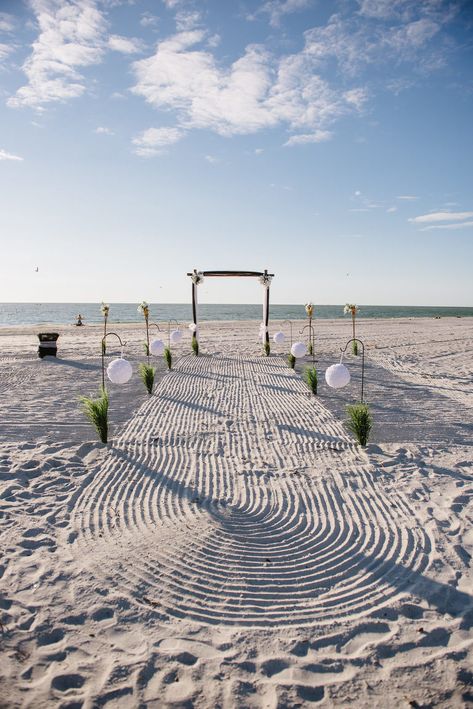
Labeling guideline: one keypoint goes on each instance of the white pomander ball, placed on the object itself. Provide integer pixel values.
(156, 347)
(279, 338)
(175, 336)
(193, 327)
(119, 371)
(298, 350)
(337, 376)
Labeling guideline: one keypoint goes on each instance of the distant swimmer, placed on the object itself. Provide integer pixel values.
(79, 320)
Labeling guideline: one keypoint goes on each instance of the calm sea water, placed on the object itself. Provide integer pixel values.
(63, 313)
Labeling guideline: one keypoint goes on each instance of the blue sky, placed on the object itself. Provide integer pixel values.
(329, 142)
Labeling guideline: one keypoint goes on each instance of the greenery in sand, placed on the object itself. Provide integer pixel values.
(147, 374)
(310, 378)
(195, 345)
(96, 410)
(267, 349)
(353, 310)
(168, 357)
(291, 360)
(360, 422)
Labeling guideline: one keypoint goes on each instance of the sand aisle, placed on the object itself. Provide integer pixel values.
(234, 497)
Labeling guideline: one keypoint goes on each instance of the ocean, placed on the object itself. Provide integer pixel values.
(64, 313)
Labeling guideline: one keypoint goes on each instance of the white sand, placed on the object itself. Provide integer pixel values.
(232, 546)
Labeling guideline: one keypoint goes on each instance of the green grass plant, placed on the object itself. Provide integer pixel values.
(147, 374)
(360, 422)
(267, 349)
(195, 345)
(310, 378)
(96, 410)
(291, 360)
(354, 347)
(168, 357)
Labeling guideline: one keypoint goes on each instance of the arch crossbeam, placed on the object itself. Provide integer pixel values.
(237, 274)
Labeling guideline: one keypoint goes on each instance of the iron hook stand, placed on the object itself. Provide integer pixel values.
(344, 349)
(122, 345)
(154, 324)
(311, 339)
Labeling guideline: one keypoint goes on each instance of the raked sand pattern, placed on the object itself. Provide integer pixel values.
(232, 547)
(234, 497)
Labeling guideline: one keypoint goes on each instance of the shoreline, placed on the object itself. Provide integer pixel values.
(5, 328)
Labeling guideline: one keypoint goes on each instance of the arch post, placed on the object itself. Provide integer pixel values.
(266, 310)
(194, 305)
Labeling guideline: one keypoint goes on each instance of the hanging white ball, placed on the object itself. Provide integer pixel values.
(337, 376)
(119, 371)
(192, 327)
(298, 349)
(175, 336)
(279, 338)
(156, 347)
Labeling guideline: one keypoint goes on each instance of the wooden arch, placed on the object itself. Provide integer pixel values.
(264, 275)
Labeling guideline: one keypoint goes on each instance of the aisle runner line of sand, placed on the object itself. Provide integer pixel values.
(232, 496)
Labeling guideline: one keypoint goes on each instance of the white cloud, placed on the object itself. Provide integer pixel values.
(103, 130)
(212, 159)
(5, 50)
(214, 41)
(441, 217)
(391, 210)
(148, 20)
(7, 22)
(257, 91)
(302, 139)
(365, 202)
(153, 140)
(187, 20)
(407, 38)
(276, 9)
(356, 97)
(380, 9)
(355, 42)
(458, 225)
(70, 37)
(407, 197)
(8, 156)
(125, 45)
(259, 151)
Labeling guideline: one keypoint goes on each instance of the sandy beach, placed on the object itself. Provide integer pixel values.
(232, 546)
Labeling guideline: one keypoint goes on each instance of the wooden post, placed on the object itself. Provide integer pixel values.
(266, 320)
(194, 307)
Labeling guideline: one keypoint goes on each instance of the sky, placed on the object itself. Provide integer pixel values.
(327, 141)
